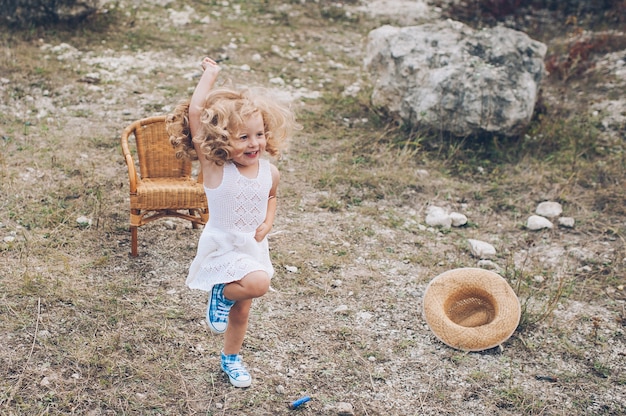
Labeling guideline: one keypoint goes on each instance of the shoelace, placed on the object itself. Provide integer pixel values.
(236, 369)
(221, 311)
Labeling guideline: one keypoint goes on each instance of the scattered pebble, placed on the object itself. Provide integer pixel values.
(549, 209)
(536, 222)
(291, 269)
(567, 222)
(489, 265)
(345, 409)
(481, 249)
(438, 217)
(341, 309)
(84, 221)
(458, 219)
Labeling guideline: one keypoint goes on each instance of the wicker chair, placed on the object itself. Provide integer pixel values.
(164, 185)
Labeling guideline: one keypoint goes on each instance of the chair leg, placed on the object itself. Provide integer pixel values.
(194, 224)
(133, 241)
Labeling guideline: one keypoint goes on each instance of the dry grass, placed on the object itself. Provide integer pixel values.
(88, 330)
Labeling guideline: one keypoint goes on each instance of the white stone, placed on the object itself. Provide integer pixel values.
(549, 209)
(82, 220)
(277, 81)
(291, 269)
(481, 249)
(341, 309)
(438, 217)
(43, 334)
(536, 222)
(489, 265)
(458, 219)
(567, 222)
(364, 316)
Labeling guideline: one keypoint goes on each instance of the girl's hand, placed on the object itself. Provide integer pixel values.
(261, 232)
(208, 63)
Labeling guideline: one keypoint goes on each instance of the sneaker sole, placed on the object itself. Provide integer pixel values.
(214, 329)
(240, 384)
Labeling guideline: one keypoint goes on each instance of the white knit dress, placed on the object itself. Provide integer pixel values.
(227, 250)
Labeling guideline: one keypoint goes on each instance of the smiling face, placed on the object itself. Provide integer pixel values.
(250, 141)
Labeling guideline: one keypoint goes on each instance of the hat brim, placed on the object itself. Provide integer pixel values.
(464, 286)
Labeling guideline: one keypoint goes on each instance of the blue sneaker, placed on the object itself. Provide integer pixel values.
(218, 309)
(237, 373)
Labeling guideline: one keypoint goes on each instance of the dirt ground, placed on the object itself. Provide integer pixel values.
(87, 329)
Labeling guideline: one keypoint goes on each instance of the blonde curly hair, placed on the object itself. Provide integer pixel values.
(223, 115)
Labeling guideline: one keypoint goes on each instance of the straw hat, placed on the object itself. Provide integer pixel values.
(471, 309)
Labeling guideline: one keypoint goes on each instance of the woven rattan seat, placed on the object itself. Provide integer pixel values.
(160, 184)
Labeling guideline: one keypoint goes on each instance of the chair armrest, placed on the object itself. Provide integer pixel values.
(128, 158)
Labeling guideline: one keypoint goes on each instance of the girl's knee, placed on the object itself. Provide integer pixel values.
(259, 283)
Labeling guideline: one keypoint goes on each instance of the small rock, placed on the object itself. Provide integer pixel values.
(9, 239)
(364, 316)
(341, 309)
(549, 209)
(437, 217)
(291, 269)
(489, 265)
(277, 81)
(170, 225)
(458, 220)
(580, 253)
(567, 222)
(345, 409)
(82, 220)
(536, 222)
(481, 249)
(43, 334)
(280, 389)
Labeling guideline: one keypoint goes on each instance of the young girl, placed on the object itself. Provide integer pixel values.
(229, 131)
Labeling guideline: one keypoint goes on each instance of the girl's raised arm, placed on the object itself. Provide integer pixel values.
(207, 80)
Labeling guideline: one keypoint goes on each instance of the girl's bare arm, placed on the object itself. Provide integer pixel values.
(207, 80)
(266, 226)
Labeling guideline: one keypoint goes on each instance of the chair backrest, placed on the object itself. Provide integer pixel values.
(157, 158)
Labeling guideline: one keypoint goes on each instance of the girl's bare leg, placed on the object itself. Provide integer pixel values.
(237, 326)
(253, 285)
